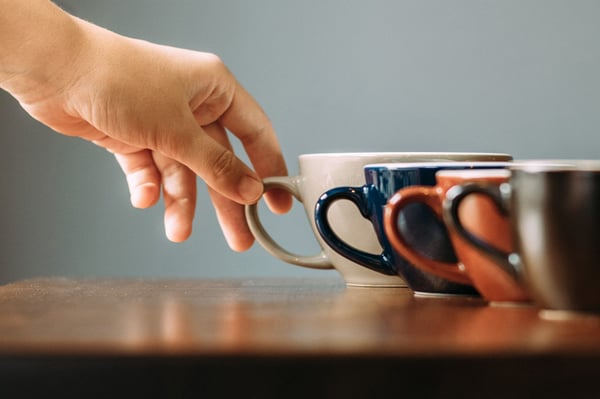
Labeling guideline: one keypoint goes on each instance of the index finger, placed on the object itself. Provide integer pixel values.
(248, 122)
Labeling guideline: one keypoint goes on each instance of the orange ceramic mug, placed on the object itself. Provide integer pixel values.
(477, 214)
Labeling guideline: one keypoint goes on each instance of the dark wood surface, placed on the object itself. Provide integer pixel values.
(283, 338)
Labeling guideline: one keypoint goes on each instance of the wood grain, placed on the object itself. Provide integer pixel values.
(356, 336)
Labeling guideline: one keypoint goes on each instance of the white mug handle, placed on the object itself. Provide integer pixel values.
(289, 184)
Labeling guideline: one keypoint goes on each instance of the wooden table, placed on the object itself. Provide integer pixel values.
(282, 338)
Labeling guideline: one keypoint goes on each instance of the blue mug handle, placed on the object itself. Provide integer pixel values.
(359, 196)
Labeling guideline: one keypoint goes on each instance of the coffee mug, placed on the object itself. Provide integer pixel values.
(321, 172)
(554, 214)
(417, 223)
(476, 214)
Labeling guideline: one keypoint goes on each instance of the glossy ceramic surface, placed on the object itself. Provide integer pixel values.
(555, 219)
(472, 213)
(321, 172)
(420, 226)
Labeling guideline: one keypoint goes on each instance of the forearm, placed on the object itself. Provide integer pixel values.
(37, 39)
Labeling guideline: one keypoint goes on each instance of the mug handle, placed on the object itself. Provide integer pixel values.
(289, 184)
(430, 197)
(359, 197)
(509, 262)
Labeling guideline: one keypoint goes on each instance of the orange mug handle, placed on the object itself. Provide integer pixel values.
(431, 197)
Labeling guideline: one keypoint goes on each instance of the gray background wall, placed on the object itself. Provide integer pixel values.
(517, 76)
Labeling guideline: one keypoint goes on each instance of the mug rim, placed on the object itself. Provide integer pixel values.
(407, 154)
(436, 164)
(475, 173)
(556, 165)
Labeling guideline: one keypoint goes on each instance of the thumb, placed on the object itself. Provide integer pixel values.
(215, 164)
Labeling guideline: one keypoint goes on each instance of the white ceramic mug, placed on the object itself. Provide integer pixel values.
(320, 172)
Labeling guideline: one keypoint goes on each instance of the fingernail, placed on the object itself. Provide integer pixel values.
(250, 189)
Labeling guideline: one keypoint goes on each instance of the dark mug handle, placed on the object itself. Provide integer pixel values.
(500, 195)
(359, 196)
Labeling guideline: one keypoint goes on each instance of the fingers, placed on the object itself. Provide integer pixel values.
(232, 221)
(216, 164)
(146, 172)
(229, 214)
(142, 176)
(246, 120)
(179, 194)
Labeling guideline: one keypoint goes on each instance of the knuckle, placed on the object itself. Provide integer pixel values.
(211, 63)
(257, 136)
(214, 60)
(224, 164)
(173, 169)
(166, 140)
(209, 112)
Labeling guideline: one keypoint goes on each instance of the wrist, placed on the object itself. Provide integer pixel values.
(40, 42)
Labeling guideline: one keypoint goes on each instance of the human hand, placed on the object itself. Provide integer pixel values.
(164, 113)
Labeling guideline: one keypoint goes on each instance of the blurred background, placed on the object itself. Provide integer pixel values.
(516, 76)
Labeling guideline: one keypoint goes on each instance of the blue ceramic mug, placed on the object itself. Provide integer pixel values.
(418, 224)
